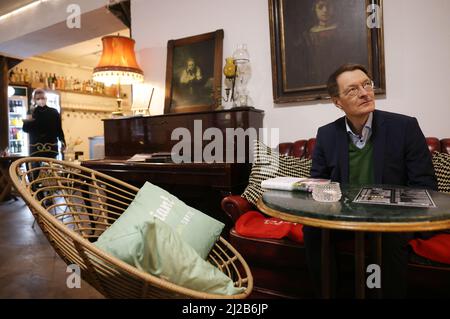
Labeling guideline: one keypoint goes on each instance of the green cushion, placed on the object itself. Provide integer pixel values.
(198, 230)
(155, 248)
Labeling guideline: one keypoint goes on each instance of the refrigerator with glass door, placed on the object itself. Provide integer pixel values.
(18, 108)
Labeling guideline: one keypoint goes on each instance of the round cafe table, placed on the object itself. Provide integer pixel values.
(300, 207)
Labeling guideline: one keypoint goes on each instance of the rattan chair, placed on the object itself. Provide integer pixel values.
(73, 205)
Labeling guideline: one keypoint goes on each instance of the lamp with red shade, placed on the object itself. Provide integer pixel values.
(118, 65)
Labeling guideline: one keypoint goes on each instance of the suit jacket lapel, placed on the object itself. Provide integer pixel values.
(379, 141)
(342, 147)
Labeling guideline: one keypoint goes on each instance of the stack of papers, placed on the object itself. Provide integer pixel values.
(293, 183)
(139, 157)
(158, 157)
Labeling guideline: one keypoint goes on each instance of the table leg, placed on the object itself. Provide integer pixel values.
(378, 259)
(360, 283)
(326, 269)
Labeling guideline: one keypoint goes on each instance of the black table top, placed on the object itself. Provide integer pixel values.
(345, 214)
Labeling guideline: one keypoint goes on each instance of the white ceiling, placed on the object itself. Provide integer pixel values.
(84, 54)
(7, 6)
(57, 43)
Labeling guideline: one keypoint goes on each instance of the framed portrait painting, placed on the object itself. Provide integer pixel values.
(194, 73)
(310, 39)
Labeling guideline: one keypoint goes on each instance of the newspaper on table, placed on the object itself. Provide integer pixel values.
(411, 197)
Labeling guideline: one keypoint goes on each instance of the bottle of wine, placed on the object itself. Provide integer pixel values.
(12, 76)
(21, 76)
(13, 147)
(53, 81)
(26, 76)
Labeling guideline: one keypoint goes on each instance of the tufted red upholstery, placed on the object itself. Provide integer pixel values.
(300, 148)
(434, 145)
(445, 145)
(279, 266)
(305, 148)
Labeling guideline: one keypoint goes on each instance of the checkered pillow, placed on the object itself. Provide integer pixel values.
(441, 163)
(268, 164)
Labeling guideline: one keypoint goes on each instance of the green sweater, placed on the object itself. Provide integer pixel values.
(360, 164)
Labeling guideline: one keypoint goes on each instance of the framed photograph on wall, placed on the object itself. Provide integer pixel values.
(194, 73)
(312, 38)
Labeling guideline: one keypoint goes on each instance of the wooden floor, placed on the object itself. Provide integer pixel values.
(29, 267)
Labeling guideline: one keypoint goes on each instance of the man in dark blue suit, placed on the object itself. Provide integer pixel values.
(368, 146)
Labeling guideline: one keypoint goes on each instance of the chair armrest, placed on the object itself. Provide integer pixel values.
(234, 206)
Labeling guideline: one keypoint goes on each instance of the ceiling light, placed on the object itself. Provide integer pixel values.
(22, 9)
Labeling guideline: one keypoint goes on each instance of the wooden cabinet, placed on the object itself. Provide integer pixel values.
(201, 185)
(129, 136)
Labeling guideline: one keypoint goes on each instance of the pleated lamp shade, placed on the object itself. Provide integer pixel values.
(118, 63)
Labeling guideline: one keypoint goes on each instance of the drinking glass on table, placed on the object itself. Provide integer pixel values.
(330, 192)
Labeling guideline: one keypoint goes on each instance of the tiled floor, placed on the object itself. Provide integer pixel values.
(29, 267)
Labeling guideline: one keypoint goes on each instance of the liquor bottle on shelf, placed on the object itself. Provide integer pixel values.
(45, 80)
(37, 77)
(52, 80)
(26, 76)
(41, 79)
(60, 82)
(12, 76)
(49, 81)
(21, 77)
(69, 84)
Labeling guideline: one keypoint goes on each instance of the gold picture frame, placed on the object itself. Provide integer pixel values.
(194, 73)
(309, 41)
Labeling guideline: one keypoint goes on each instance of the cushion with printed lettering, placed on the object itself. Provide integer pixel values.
(254, 224)
(154, 247)
(197, 229)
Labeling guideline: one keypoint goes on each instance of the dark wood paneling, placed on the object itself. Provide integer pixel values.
(128, 136)
(4, 125)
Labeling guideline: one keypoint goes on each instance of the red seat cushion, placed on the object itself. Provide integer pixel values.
(437, 248)
(255, 224)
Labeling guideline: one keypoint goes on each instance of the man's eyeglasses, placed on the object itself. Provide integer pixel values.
(353, 91)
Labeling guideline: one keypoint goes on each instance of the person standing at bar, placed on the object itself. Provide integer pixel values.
(43, 125)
